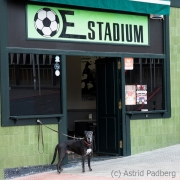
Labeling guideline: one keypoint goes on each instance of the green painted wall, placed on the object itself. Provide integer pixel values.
(147, 135)
(19, 147)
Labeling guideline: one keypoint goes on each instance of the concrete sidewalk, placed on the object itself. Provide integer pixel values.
(158, 164)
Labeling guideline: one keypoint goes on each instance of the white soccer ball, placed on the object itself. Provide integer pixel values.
(46, 22)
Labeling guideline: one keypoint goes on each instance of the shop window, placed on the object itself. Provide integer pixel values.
(144, 85)
(34, 89)
(31, 87)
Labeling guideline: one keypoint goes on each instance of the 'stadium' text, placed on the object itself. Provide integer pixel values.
(103, 31)
(115, 32)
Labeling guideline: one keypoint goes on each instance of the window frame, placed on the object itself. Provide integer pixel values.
(8, 120)
(155, 114)
(166, 112)
(139, 64)
(37, 73)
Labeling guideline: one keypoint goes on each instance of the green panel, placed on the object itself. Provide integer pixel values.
(20, 147)
(139, 6)
(112, 137)
(110, 87)
(86, 26)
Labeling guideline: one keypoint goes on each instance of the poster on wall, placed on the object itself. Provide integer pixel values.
(88, 78)
(128, 63)
(130, 95)
(141, 94)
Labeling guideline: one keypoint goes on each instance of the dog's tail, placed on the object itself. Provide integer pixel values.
(55, 152)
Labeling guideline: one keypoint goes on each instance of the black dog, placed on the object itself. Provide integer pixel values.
(83, 147)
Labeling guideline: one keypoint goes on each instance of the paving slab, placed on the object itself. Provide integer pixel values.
(159, 164)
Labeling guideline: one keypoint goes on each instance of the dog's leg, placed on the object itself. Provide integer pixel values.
(55, 152)
(83, 158)
(62, 154)
(89, 164)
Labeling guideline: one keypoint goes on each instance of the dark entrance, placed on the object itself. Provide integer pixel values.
(109, 116)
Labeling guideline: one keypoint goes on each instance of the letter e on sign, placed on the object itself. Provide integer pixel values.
(128, 63)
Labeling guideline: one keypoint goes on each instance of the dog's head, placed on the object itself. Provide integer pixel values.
(88, 136)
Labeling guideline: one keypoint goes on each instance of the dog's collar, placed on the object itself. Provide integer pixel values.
(88, 144)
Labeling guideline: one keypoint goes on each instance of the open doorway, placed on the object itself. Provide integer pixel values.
(81, 95)
(83, 107)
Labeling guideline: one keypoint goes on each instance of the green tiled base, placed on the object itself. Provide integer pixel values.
(20, 147)
(2, 174)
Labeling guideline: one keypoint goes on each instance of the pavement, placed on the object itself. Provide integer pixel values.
(160, 164)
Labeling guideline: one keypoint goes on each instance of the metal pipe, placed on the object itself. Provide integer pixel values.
(39, 78)
(154, 73)
(34, 70)
(151, 74)
(140, 71)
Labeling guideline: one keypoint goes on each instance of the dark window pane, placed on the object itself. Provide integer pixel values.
(33, 87)
(147, 72)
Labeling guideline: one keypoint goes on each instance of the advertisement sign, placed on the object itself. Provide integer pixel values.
(130, 95)
(128, 63)
(141, 94)
(65, 24)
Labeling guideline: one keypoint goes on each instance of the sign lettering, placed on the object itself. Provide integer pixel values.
(53, 23)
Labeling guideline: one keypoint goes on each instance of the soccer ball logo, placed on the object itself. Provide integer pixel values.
(46, 22)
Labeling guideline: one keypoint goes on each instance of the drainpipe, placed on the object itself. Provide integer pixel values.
(62, 125)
